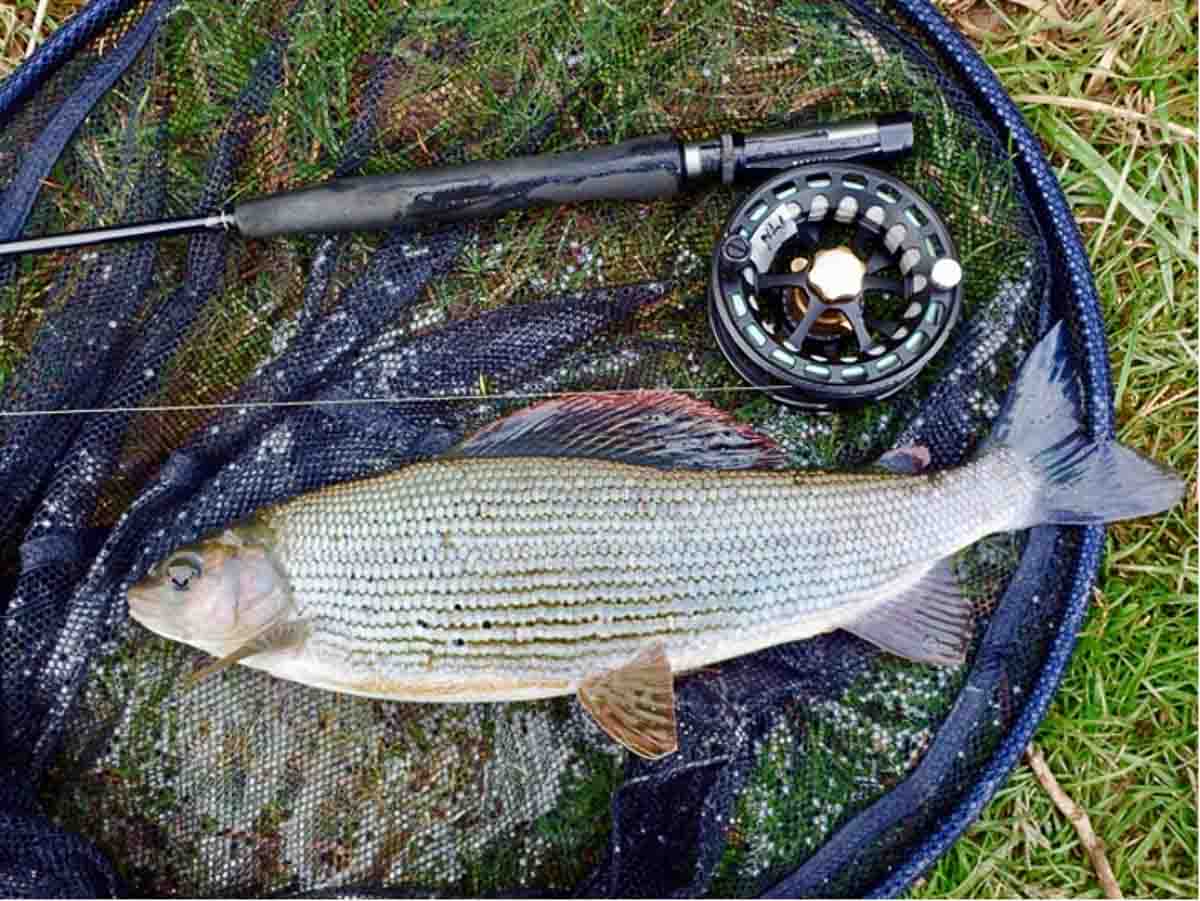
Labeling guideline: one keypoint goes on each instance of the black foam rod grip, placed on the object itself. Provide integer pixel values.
(638, 169)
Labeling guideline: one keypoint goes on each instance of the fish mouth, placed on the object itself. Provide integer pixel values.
(146, 609)
(141, 602)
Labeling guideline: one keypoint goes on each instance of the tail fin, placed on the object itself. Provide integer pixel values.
(1084, 481)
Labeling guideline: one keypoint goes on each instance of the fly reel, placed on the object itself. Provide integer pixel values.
(833, 284)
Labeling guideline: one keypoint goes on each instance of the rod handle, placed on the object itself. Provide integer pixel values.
(638, 169)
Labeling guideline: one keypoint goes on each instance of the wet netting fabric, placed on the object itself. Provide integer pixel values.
(156, 391)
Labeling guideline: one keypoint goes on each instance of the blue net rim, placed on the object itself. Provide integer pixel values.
(1074, 295)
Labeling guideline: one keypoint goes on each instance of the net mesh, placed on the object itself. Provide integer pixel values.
(168, 389)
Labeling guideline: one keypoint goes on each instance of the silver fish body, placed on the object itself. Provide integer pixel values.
(493, 579)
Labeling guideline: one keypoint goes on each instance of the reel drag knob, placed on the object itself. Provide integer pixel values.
(837, 274)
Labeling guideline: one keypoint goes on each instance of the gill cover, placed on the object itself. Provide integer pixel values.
(220, 592)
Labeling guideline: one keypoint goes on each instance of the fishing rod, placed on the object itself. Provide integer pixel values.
(644, 168)
(832, 283)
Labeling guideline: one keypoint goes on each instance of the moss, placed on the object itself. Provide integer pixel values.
(824, 762)
(559, 848)
(123, 760)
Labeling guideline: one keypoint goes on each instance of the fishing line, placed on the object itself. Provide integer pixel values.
(432, 398)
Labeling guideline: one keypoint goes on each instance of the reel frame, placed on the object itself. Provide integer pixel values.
(806, 328)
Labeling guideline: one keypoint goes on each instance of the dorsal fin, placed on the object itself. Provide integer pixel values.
(648, 428)
(635, 703)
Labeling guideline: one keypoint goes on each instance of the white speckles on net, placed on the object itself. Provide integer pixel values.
(883, 725)
(600, 366)
(446, 768)
(428, 315)
(687, 262)
(414, 251)
(569, 58)
(983, 404)
(278, 442)
(872, 44)
(281, 336)
(802, 436)
(586, 268)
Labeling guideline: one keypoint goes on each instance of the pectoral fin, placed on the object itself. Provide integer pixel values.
(279, 636)
(635, 703)
(929, 623)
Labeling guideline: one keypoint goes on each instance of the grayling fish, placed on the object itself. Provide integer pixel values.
(599, 544)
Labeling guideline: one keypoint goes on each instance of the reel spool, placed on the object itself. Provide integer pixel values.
(833, 284)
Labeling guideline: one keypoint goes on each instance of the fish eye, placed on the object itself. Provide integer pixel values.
(182, 570)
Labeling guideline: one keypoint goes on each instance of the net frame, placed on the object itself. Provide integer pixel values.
(1075, 299)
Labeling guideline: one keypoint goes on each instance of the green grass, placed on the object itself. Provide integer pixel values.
(24, 24)
(1121, 733)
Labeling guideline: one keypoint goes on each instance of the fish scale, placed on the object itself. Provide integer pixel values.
(467, 564)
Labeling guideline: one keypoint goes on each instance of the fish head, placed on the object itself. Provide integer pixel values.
(222, 589)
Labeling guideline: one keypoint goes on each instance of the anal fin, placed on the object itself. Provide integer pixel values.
(635, 703)
(931, 622)
(276, 637)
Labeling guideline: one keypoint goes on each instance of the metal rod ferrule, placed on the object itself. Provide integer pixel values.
(734, 157)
